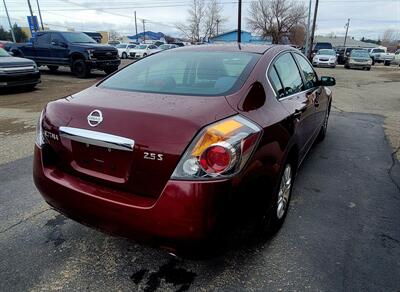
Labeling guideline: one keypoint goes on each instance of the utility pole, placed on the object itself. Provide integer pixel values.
(347, 29)
(40, 14)
(308, 30)
(313, 28)
(144, 32)
(218, 21)
(137, 37)
(30, 9)
(9, 21)
(239, 36)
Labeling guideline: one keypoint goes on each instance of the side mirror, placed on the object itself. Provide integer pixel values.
(327, 81)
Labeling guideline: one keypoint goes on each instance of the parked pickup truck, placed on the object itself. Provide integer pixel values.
(73, 49)
(380, 56)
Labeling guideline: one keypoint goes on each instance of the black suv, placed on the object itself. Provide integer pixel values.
(73, 49)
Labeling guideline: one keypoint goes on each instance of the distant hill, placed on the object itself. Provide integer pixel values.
(150, 35)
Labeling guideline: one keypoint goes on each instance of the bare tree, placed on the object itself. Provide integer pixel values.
(213, 18)
(391, 39)
(193, 29)
(202, 21)
(275, 18)
(297, 35)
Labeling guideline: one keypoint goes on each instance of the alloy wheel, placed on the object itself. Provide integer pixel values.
(284, 192)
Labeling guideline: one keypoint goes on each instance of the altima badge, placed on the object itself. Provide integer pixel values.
(95, 118)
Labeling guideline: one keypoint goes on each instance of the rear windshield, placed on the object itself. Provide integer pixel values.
(379, 51)
(185, 73)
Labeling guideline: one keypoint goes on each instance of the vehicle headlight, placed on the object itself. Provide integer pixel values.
(35, 67)
(220, 150)
(333, 59)
(369, 61)
(39, 131)
(1, 70)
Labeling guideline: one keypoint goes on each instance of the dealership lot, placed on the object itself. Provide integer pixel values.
(341, 233)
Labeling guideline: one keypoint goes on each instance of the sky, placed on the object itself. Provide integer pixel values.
(368, 18)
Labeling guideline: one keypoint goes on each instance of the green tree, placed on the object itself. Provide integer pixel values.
(4, 35)
(20, 36)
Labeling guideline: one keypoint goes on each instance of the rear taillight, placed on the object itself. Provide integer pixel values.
(220, 150)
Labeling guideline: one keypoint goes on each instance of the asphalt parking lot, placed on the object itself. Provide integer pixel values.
(342, 231)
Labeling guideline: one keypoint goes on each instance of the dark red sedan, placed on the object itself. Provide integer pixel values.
(162, 147)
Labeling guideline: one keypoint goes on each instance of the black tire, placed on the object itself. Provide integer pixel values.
(387, 63)
(124, 55)
(80, 68)
(373, 61)
(110, 70)
(273, 218)
(30, 87)
(52, 68)
(144, 55)
(346, 67)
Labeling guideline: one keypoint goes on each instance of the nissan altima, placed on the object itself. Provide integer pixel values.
(162, 147)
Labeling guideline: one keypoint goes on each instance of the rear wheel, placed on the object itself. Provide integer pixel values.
(346, 67)
(275, 215)
(324, 128)
(80, 68)
(387, 63)
(124, 55)
(373, 61)
(52, 68)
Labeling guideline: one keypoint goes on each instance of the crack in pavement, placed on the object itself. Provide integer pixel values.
(394, 159)
(23, 220)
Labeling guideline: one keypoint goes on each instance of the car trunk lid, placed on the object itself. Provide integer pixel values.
(137, 143)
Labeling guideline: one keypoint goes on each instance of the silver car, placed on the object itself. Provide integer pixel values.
(325, 57)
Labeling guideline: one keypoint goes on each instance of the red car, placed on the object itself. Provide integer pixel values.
(162, 147)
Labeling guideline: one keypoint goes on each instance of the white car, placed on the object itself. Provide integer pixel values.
(325, 57)
(143, 50)
(124, 49)
(396, 60)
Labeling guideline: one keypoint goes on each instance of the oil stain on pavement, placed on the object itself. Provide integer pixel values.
(179, 277)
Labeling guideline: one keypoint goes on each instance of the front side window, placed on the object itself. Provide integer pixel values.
(308, 72)
(186, 73)
(289, 74)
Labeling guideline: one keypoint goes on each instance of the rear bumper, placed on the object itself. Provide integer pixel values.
(102, 64)
(185, 210)
(19, 79)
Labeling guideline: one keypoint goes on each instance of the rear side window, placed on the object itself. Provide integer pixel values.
(308, 72)
(289, 74)
(276, 82)
(43, 39)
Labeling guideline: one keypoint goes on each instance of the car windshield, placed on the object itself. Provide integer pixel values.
(3, 53)
(185, 73)
(78, 37)
(360, 53)
(326, 52)
(319, 46)
(142, 47)
(121, 46)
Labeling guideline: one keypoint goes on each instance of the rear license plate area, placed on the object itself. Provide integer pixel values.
(101, 162)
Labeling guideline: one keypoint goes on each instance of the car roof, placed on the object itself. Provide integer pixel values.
(230, 47)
